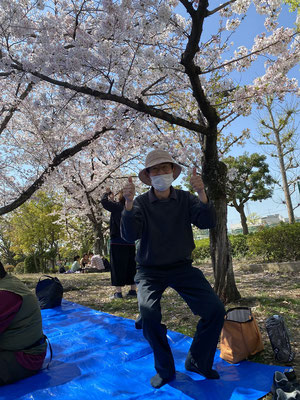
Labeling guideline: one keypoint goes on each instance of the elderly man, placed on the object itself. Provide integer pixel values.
(161, 218)
(22, 343)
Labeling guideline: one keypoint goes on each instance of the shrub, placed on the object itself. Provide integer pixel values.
(239, 245)
(202, 250)
(279, 243)
(19, 268)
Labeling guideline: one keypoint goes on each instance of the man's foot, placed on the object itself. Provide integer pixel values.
(191, 365)
(157, 381)
(117, 295)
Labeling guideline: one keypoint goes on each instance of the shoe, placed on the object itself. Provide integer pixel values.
(280, 381)
(292, 378)
(132, 293)
(138, 323)
(117, 295)
(191, 365)
(281, 395)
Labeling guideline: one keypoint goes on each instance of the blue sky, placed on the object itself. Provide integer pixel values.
(251, 26)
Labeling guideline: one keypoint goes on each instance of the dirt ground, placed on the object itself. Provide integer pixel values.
(265, 292)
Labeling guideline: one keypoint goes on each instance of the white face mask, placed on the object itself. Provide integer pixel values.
(162, 182)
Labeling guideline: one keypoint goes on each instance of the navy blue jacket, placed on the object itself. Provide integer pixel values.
(164, 226)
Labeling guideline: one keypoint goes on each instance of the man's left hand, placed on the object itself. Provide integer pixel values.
(196, 182)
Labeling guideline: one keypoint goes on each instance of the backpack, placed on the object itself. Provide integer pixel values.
(49, 292)
(106, 264)
(279, 338)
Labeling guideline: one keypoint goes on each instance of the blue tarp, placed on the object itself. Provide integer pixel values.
(100, 356)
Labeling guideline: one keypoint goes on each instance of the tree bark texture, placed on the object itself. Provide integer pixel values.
(285, 185)
(225, 287)
(99, 246)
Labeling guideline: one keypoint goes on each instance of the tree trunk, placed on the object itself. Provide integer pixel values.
(99, 245)
(225, 285)
(215, 175)
(241, 210)
(285, 185)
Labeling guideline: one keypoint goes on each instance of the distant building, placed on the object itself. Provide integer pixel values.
(269, 220)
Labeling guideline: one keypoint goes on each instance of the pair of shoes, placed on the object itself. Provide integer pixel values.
(117, 295)
(132, 293)
(281, 395)
(285, 386)
(286, 381)
(191, 365)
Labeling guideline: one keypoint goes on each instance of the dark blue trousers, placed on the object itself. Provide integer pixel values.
(193, 287)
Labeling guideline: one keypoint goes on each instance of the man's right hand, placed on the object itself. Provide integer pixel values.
(129, 193)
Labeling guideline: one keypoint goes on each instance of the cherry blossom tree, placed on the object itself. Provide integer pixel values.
(75, 73)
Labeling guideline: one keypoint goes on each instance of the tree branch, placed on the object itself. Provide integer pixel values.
(15, 107)
(138, 106)
(57, 160)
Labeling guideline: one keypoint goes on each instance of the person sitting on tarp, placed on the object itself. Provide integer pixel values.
(161, 218)
(22, 343)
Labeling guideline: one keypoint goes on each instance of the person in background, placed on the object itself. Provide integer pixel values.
(75, 266)
(22, 342)
(161, 218)
(122, 252)
(96, 263)
(84, 261)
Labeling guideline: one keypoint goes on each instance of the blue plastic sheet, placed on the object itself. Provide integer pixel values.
(100, 356)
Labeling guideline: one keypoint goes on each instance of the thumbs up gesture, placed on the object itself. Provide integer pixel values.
(129, 193)
(198, 185)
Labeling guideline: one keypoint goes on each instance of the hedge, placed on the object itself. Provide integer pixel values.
(279, 243)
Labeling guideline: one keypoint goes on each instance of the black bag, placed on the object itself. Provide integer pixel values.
(106, 264)
(279, 338)
(49, 292)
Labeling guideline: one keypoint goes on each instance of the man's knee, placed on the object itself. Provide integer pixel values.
(149, 313)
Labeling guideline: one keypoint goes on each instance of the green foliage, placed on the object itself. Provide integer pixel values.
(250, 179)
(202, 250)
(239, 245)
(35, 228)
(31, 264)
(294, 5)
(279, 243)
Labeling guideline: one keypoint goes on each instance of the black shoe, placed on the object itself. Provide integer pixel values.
(292, 378)
(281, 395)
(117, 295)
(191, 365)
(132, 293)
(280, 381)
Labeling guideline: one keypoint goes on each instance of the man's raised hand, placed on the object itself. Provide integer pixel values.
(129, 193)
(198, 186)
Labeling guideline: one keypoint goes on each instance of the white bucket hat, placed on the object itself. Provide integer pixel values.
(156, 157)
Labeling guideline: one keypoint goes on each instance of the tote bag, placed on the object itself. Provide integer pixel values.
(240, 336)
(49, 292)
